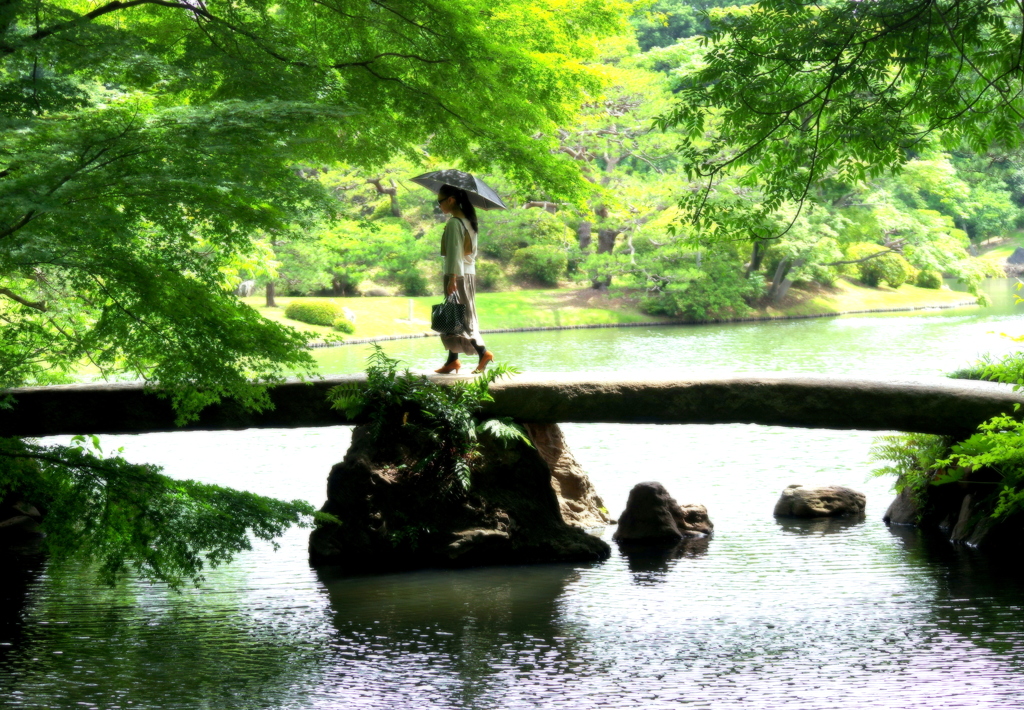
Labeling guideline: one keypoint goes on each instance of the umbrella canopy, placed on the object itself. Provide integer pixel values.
(480, 194)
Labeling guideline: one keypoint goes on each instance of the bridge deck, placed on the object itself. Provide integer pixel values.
(938, 405)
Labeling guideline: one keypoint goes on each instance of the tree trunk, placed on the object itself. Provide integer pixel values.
(270, 295)
(782, 282)
(756, 257)
(391, 192)
(605, 244)
(606, 240)
(584, 234)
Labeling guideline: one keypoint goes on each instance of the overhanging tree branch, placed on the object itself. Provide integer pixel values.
(37, 305)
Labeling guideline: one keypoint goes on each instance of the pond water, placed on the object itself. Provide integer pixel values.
(795, 615)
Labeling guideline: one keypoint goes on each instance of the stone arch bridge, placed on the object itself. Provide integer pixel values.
(935, 406)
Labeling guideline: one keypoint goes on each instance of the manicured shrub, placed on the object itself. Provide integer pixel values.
(344, 325)
(489, 276)
(414, 283)
(891, 268)
(720, 291)
(314, 312)
(929, 279)
(503, 233)
(541, 262)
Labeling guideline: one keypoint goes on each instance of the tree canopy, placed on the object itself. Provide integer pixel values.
(795, 92)
(152, 149)
(145, 142)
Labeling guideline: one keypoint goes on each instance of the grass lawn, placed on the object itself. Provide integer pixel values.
(376, 317)
(852, 296)
(1001, 250)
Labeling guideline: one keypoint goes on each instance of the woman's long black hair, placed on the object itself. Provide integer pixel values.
(462, 200)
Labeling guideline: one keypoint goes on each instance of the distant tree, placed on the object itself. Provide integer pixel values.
(665, 22)
(798, 92)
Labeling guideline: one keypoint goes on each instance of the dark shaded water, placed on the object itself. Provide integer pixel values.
(800, 615)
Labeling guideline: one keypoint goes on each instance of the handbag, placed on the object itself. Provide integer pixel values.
(449, 317)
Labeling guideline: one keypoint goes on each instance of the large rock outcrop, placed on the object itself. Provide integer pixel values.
(396, 516)
(577, 499)
(960, 512)
(826, 501)
(904, 509)
(652, 515)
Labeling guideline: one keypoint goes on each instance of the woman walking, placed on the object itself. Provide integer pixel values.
(459, 249)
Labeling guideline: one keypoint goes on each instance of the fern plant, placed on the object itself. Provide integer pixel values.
(921, 460)
(446, 415)
(912, 458)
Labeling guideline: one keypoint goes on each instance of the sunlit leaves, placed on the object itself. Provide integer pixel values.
(126, 518)
(796, 90)
(398, 404)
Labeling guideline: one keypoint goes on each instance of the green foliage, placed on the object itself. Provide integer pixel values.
(981, 367)
(663, 22)
(810, 247)
(344, 325)
(790, 108)
(928, 279)
(414, 283)
(889, 267)
(1008, 369)
(127, 517)
(147, 145)
(995, 451)
(637, 238)
(507, 232)
(912, 459)
(719, 290)
(998, 446)
(541, 262)
(314, 312)
(444, 414)
(489, 276)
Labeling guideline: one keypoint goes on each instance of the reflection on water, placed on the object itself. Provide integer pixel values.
(650, 563)
(445, 638)
(842, 613)
(820, 526)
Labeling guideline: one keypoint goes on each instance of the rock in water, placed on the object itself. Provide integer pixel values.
(19, 525)
(653, 515)
(827, 501)
(903, 510)
(577, 499)
(395, 516)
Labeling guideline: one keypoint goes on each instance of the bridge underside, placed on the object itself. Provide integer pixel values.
(937, 406)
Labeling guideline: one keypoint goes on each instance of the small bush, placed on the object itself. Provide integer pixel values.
(313, 312)
(891, 268)
(489, 276)
(542, 262)
(414, 283)
(720, 292)
(344, 325)
(502, 234)
(929, 279)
